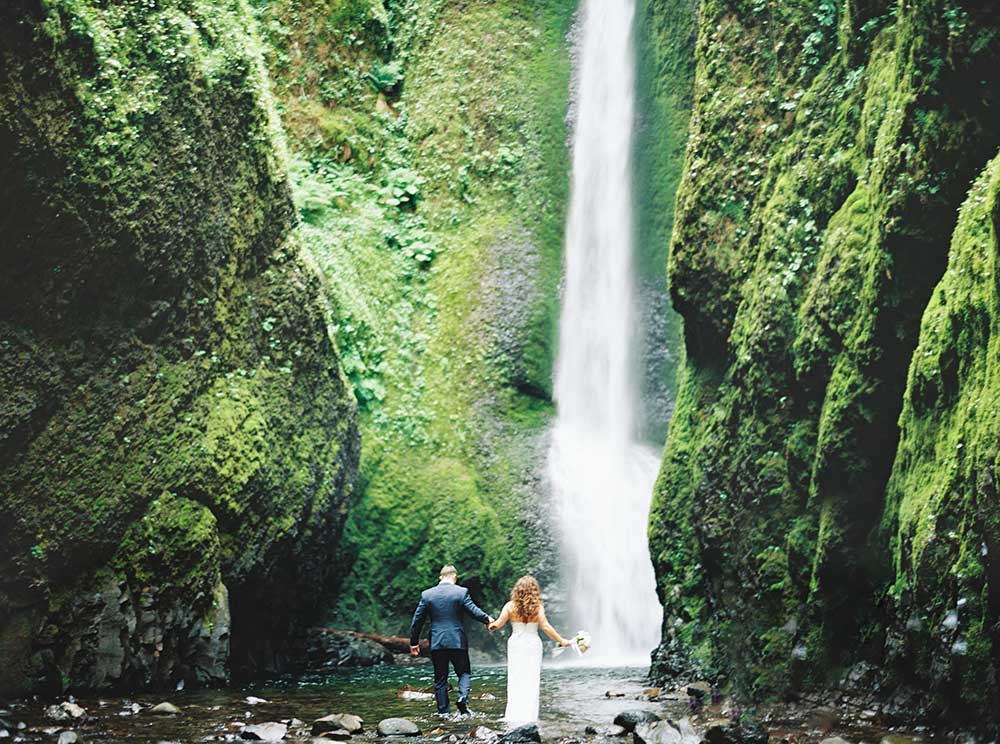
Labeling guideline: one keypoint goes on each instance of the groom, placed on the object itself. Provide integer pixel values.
(445, 605)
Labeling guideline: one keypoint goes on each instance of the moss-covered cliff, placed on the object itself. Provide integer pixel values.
(431, 176)
(831, 145)
(178, 444)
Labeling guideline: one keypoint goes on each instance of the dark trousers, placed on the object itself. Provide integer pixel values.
(458, 658)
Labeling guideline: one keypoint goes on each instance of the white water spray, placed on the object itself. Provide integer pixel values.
(601, 476)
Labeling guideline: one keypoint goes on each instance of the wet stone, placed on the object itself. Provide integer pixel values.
(629, 719)
(522, 735)
(397, 727)
(68, 737)
(346, 722)
(165, 709)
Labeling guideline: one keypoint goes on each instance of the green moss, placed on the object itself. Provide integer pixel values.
(173, 409)
(941, 505)
(446, 303)
(811, 226)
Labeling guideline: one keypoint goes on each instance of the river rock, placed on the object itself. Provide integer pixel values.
(522, 735)
(397, 727)
(735, 733)
(68, 737)
(411, 695)
(629, 719)
(347, 722)
(56, 713)
(251, 700)
(165, 709)
(268, 731)
(835, 740)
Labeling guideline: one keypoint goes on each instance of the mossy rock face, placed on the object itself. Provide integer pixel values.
(431, 177)
(942, 514)
(831, 145)
(177, 441)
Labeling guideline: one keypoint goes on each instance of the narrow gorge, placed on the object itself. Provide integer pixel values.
(686, 307)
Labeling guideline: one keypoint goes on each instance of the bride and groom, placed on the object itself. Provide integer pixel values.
(446, 605)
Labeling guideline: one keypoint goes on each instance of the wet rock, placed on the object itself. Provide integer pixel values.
(736, 733)
(522, 735)
(251, 700)
(397, 727)
(165, 709)
(487, 696)
(268, 731)
(327, 649)
(835, 740)
(338, 722)
(629, 719)
(68, 737)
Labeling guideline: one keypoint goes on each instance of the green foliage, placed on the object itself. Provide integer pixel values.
(411, 212)
(812, 224)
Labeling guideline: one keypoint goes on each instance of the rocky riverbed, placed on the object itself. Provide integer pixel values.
(579, 705)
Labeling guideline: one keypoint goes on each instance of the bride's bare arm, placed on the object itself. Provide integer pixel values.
(502, 620)
(551, 632)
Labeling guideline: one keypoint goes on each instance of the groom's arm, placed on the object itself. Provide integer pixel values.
(473, 610)
(417, 624)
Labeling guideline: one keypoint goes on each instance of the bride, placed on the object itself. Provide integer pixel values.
(524, 649)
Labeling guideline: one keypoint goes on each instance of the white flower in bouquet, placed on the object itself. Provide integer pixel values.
(579, 643)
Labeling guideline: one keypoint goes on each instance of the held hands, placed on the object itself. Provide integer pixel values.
(414, 650)
(493, 624)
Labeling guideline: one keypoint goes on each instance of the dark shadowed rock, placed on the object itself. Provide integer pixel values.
(629, 719)
(609, 731)
(522, 735)
(397, 727)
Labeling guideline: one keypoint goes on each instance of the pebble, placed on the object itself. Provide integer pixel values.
(397, 727)
(68, 737)
(165, 709)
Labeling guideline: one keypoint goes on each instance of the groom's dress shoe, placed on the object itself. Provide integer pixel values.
(463, 707)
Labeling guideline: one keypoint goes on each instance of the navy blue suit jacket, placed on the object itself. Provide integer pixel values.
(445, 605)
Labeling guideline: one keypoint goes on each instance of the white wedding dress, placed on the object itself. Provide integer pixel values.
(524, 673)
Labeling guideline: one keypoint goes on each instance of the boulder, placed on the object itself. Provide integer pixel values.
(347, 722)
(397, 727)
(268, 731)
(629, 719)
(165, 709)
(522, 735)
(736, 733)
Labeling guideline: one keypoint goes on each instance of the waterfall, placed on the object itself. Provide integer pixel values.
(601, 475)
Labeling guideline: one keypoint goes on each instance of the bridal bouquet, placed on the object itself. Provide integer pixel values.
(580, 643)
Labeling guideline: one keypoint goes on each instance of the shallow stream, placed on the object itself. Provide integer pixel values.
(572, 698)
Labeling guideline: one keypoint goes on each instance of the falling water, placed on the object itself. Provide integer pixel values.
(601, 475)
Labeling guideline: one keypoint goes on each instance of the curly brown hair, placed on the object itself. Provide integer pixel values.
(526, 598)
